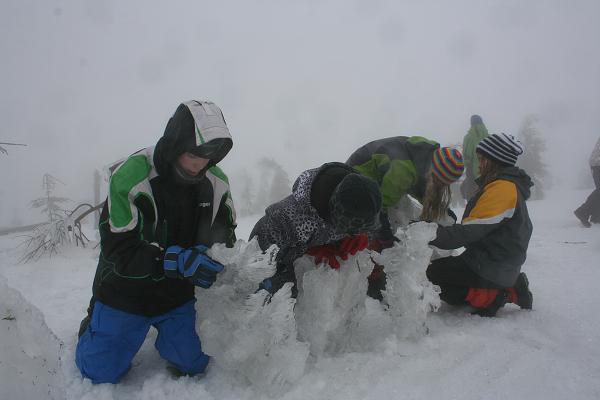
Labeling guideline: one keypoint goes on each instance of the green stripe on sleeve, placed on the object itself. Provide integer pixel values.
(131, 173)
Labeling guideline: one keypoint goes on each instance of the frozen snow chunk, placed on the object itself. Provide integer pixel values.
(246, 265)
(409, 294)
(30, 363)
(334, 314)
(249, 333)
(407, 209)
(331, 302)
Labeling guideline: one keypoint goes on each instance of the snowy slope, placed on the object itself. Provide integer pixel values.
(551, 352)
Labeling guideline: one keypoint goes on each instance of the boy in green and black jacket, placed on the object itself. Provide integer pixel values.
(166, 205)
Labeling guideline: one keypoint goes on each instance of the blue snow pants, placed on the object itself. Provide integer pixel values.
(113, 337)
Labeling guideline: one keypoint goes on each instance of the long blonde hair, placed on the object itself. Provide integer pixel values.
(436, 200)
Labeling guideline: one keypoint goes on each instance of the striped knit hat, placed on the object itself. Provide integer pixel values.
(448, 164)
(501, 147)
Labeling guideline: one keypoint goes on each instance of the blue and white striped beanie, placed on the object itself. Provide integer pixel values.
(501, 147)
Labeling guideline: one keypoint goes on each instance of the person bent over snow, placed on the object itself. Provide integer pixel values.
(495, 231)
(401, 166)
(166, 204)
(328, 215)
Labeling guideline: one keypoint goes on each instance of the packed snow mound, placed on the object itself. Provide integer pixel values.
(267, 339)
(31, 353)
(259, 343)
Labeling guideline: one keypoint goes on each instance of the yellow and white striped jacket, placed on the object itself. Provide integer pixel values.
(495, 229)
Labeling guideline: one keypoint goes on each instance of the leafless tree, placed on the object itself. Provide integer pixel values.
(3, 150)
(532, 159)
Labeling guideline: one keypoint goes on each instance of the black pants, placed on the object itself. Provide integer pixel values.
(455, 278)
(591, 207)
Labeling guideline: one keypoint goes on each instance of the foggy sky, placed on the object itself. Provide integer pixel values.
(85, 83)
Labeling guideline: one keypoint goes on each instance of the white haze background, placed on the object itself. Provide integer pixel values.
(85, 83)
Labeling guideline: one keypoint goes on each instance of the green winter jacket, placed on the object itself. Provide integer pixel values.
(476, 133)
(399, 165)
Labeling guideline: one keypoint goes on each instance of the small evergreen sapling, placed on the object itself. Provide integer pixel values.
(48, 237)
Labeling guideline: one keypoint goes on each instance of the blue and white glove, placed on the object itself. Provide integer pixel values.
(192, 264)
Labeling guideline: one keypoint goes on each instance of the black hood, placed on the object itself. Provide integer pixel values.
(519, 177)
(190, 127)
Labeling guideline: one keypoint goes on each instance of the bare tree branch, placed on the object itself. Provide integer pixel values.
(13, 144)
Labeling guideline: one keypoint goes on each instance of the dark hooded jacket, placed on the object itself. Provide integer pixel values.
(495, 229)
(148, 210)
(301, 220)
(400, 165)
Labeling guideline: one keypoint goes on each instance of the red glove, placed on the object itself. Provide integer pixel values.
(352, 245)
(325, 253)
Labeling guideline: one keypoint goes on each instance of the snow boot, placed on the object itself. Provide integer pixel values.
(584, 219)
(176, 373)
(520, 293)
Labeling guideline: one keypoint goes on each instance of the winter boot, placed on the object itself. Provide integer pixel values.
(584, 219)
(520, 293)
(176, 373)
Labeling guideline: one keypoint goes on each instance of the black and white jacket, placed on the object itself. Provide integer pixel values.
(300, 220)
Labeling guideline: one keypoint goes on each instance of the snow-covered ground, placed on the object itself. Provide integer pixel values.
(365, 352)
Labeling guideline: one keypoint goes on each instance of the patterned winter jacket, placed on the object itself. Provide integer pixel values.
(294, 224)
(399, 165)
(595, 156)
(495, 229)
(147, 211)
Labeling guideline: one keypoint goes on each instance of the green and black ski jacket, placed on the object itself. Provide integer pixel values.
(147, 211)
(400, 165)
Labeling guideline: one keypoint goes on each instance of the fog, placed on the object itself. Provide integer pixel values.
(85, 83)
